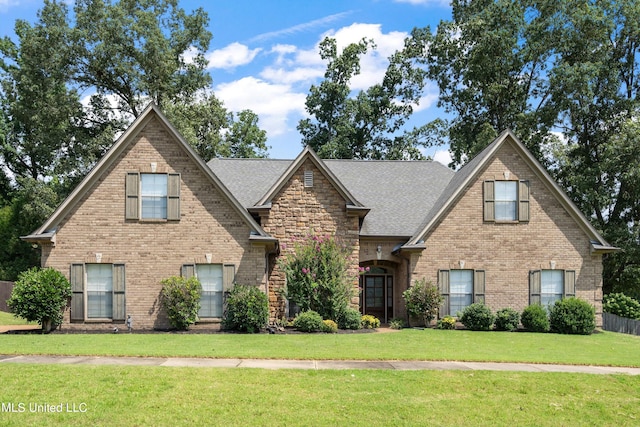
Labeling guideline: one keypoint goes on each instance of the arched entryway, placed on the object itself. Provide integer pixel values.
(377, 296)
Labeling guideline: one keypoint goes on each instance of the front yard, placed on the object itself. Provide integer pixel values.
(128, 395)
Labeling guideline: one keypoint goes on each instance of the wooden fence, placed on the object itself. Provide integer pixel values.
(613, 323)
(5, 294)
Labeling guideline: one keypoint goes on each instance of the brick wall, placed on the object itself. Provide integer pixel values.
(152, 250)
(508, 251)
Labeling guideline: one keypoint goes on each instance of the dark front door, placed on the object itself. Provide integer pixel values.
(376, 297)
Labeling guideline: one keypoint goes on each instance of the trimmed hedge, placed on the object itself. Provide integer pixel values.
(572, 316)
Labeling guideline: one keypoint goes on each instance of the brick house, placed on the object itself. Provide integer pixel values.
(499, 230)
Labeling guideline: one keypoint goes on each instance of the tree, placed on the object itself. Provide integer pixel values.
(46, 129)
(369, 124)
(40, 295)
(214, 132)
(137, 51)
(546, 68)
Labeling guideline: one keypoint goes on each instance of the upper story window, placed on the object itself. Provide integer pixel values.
(506, 201)
(152, 196)
(153, 189)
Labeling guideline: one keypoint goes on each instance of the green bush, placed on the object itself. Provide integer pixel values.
(349, 318)
(572, 316)
(318, 278)
(180, 298)
(308, 321)
(247, 309)
(423, 300)
(370, 322)
(329, 326)
(507, 319)
(447, 322)
(477, 317)
(621, 305)
(534, 318)
(40, 295)
(397, 323)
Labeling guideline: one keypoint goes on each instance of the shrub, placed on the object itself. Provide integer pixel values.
(447, 322)
(40, 295)
(247, 309)
(308, 321)
(477, 317)
(397, 323)
(507, 319)
(180, 297)
(621, 305)
(329, 326)
(349, 318)
(370, 322)
(318, 278)
(572, 316)
(423, 300)
(534, 318)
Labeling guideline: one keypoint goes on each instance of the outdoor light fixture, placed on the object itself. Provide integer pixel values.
(379, 251)
(208, 258)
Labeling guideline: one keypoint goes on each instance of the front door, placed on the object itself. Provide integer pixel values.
(378, 296)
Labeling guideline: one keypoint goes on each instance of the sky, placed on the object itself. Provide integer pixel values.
(264, 54)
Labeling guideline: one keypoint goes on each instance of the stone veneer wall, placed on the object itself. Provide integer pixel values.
(297, 211)
(508, 251)
(154, 250)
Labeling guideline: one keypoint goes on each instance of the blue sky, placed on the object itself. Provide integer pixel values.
(264, 54)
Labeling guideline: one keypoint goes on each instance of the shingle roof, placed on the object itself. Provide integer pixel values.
(399, 193)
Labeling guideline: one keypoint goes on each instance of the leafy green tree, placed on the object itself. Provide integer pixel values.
(366, 125)
(46, 130)
(40, 295)
(215, 132)
(545, 68)
(137, 50)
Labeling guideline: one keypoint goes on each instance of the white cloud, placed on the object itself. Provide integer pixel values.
(300, 74)
(231, 56)
(304, 27)
(442, 156)
(274, 103)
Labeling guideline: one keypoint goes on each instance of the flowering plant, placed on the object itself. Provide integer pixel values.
(318, 278)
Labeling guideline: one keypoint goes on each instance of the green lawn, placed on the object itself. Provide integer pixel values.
(10, 319)
(160, 396)
(604, 348)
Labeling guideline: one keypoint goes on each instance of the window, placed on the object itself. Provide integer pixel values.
(215, 279)
(460, 288)
(548, 286)
(551, 286)
(506, 201)
(153, 189)
(152, 196)
(98, 292)
(210, 276)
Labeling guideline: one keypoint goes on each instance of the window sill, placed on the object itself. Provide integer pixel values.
(209, 320)
(152, 220)
(97, 320)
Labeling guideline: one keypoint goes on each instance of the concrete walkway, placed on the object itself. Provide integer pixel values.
(315, 364)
